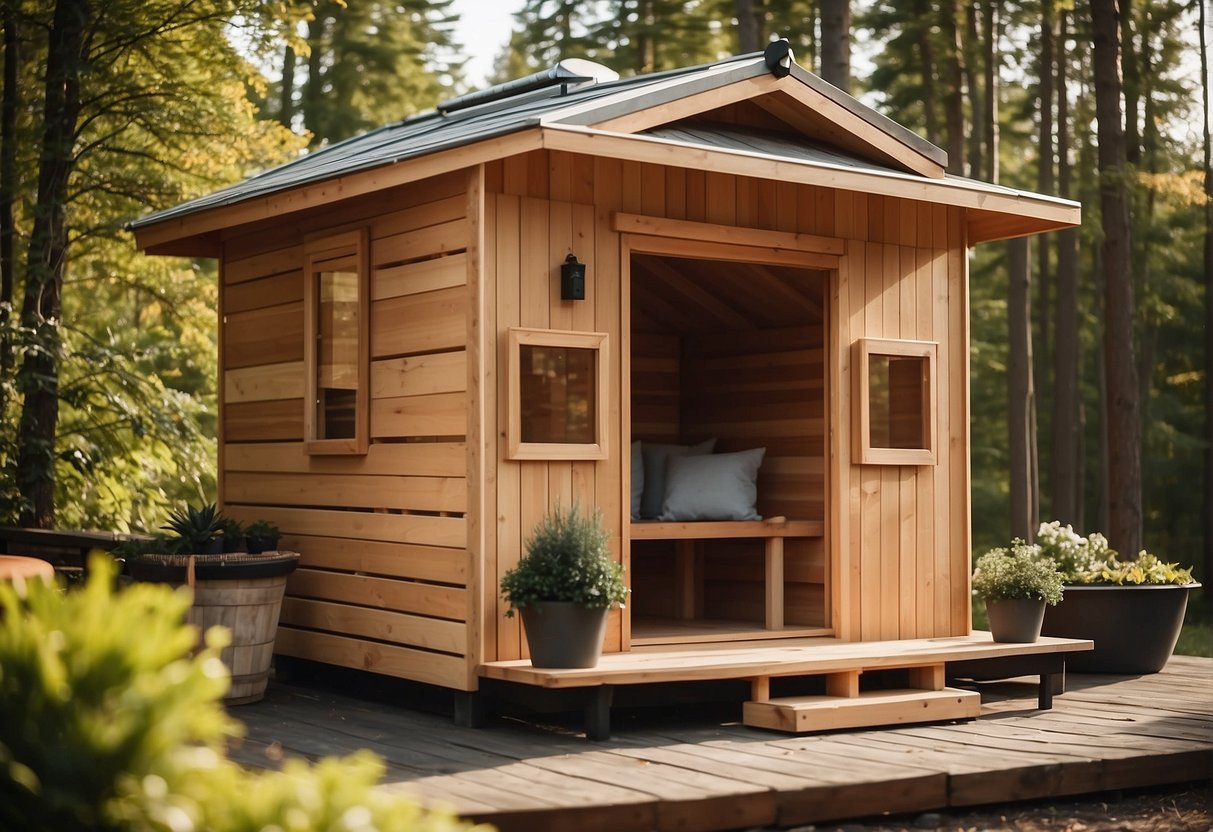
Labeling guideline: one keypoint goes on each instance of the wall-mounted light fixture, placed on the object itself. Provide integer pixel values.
(572, 279)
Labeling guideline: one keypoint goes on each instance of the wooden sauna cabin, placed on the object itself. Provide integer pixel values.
(408, 384)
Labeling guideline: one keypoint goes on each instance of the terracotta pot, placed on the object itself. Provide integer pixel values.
(1134, 627)
(1016, 620)
(564, 634)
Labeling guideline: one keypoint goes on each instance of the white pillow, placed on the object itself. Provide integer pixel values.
(715, 487)
(637, 479)
(655, 455)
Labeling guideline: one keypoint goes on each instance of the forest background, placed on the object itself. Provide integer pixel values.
(1090, 394)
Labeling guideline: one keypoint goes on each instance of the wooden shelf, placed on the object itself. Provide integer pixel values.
(651, 631)
(725, 529)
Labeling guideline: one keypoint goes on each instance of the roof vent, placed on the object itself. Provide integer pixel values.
(570, 73)
(779, 58)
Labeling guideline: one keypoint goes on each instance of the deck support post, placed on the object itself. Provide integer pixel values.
(598, 712)
(469, 709)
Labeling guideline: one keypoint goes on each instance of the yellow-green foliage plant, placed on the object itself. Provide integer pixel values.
(112, 721)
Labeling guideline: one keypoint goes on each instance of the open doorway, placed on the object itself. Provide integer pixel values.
(732, 352)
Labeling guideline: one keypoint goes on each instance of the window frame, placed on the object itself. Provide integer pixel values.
(321, 254)
(863, 451)
(596, 341)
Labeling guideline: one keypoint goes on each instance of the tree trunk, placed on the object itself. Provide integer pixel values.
(1131, 89)
(1123, 409)
(977, 135)
(926, 56)
(1207, 146)
(313, 87)
(1068, 434)
(286, 95)
(990, 35)
(747, 27)
(38, 377)
(1021, 406)
(1044, 172)
(836, 43)
(953, 100)
(9, 104)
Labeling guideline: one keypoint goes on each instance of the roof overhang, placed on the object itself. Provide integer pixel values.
(994, 212)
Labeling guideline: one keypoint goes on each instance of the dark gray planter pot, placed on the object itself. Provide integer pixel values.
(1016, 620)
(1134, 627)
(564, 634)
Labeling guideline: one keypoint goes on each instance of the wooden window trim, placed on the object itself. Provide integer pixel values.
(349, 248)
(863, 452)
(596, 341)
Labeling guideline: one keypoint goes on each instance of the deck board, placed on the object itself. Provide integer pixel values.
(700, 769)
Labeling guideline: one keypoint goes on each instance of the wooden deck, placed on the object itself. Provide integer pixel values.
(699, 768)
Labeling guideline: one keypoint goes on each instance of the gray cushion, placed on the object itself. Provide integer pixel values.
(655, 455)
(716, 487)
(637, 479)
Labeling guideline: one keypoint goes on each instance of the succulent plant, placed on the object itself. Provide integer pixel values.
(196, 527)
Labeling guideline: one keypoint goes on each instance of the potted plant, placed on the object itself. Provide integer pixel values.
(261, 536)
(233, 535)
(565, 587)
(238, 590)
(1132, 609)
(199, 529)
(1016, 584)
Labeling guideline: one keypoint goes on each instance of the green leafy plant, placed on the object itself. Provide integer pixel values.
(261, 528)
(1089, 560)
(567, 559)
(233, 534)
(1017, 572)
(119, 727)
(196, 527)
(261, 536)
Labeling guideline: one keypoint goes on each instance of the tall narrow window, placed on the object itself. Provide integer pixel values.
(894, 402)
(335, 349)
(558, 395)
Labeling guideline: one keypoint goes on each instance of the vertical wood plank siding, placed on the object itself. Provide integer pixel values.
(385, 581)
(897, 537)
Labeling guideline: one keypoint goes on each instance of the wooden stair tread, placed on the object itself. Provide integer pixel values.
(799, 714)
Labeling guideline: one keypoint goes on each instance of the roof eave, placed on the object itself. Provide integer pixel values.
(193, 233)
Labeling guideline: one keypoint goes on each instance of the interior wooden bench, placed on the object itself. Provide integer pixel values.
(772, 531)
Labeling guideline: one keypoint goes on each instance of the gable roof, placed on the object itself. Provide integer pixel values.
(632, 117)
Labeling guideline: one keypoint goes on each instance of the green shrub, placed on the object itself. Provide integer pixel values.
(567, 559)
(1018, 572)
(110, 721)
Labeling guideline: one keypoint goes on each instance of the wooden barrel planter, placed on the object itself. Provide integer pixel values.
(238, 591)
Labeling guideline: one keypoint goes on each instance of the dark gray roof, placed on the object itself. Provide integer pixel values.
(436, 130)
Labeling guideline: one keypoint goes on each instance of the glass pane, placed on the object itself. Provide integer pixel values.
(336, 354)
(896, 401)
(557, 387)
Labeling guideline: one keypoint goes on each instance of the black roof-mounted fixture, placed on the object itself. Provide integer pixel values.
(779, 58)
(569, 73)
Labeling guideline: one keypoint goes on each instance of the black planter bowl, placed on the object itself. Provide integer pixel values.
(1134, 628)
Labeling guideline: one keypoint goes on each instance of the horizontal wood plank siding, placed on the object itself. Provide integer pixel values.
(384, 574)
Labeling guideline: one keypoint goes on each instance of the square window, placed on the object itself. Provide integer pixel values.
(335, 348)
(558, 393)
(893, 402)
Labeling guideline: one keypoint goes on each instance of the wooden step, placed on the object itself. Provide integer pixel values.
(801, 714)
